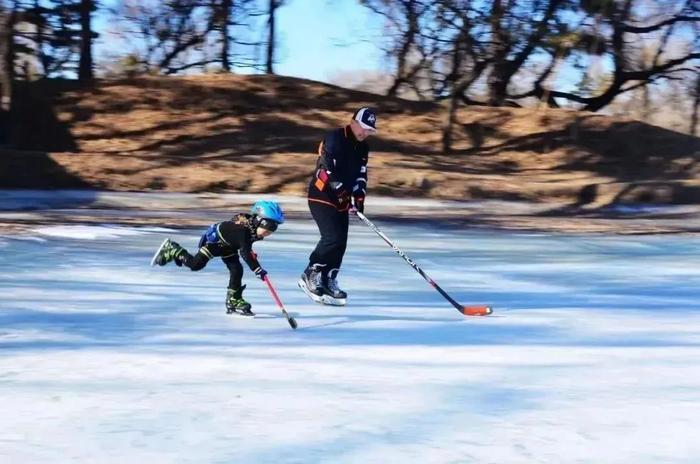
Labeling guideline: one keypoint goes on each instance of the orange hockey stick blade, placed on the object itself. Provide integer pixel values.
(476, 310)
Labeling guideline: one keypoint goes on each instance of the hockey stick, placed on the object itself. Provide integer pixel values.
(478, 310)
(290, 319)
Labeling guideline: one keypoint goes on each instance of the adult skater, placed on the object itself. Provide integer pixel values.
(337, 188)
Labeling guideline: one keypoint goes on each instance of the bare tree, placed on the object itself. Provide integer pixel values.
(619, 46)
(167, 32)
(516, 37)
(228, 15)
(178, 35)
(467, 63)
(85, 67)
(222, 12)
(694, 120)
(179, 30)
(273, 5)
(7, 24)
(40, 37)
(506, 39)
(695, 111)
(56, 37)
(404, 22)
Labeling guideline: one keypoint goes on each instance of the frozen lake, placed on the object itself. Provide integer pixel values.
(592, 354)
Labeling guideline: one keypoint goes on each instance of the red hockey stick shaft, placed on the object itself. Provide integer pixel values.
(290, 319)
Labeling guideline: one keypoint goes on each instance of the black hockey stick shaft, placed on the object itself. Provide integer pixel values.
(466, 310)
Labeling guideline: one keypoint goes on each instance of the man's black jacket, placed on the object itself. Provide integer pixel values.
(341, 170)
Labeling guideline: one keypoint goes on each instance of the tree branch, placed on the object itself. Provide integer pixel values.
(647, 73)
(175, 70)
(644, 29)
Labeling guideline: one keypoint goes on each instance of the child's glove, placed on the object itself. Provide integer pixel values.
(260, 273)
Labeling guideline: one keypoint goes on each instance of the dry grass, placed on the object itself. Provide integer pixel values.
(260, 133)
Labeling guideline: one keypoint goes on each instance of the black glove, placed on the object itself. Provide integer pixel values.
(359, 204)
(343, 198)
(260, 273)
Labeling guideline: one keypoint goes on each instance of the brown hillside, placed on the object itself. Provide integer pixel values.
(260, 134)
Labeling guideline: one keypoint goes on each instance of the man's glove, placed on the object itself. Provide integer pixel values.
(359, 203)
(343, 198)
(260, 273)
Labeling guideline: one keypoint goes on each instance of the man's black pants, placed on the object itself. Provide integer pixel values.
(333, 226)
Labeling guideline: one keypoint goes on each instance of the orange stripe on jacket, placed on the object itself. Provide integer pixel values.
(329, 204)
(324, 202)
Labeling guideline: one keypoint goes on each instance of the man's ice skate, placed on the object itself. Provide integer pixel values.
(235, 304)
(168, 251)
(333, 295)
(311, 283)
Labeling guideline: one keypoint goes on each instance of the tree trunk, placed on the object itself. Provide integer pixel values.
(271, 37)
(40, 40)
(498, 86)
(225, 39)
(497, 83)
(409, 39)
(7, 58)
(646, 104)
(449, 123)
(7, 26)
(696, 108)
(85, 68)
(459, 90)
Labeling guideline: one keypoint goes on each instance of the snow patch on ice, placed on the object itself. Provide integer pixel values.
(88, 232)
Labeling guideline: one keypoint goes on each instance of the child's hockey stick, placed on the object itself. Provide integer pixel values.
(290, 319)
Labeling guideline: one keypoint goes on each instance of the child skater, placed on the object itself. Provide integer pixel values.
(227, 240)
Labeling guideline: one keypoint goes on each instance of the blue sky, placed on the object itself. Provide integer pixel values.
(336, 35)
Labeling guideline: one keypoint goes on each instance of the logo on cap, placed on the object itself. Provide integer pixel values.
(367, 118)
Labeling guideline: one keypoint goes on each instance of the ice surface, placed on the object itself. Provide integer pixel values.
(592, 355)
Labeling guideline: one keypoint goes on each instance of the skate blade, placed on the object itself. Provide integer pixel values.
(240, 315)
(315, 298)
(330, 301)
(155, 255)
